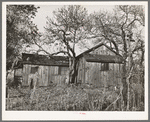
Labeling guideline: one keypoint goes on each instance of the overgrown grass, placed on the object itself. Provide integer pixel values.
(65, 98)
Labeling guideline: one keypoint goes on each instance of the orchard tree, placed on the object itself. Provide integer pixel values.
(123, 31)
(19, 30)
(67, 26)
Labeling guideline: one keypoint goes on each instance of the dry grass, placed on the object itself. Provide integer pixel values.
(64, 98)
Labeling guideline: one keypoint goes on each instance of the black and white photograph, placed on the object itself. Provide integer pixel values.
(75, 60)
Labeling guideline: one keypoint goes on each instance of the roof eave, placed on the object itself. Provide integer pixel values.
(96, 61)
(43, 64)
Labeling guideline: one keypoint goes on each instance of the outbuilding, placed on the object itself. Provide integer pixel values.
(100, 66)
(50, 69)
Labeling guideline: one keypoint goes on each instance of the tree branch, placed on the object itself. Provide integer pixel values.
(116, 47)
(66, 43)
(59, 53)
(123, 38)
(131, 22)
(50, 55)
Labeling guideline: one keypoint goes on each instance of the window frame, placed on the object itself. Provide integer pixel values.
(34, 69)
(104, 66)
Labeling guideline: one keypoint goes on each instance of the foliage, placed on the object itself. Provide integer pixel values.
(20, 29)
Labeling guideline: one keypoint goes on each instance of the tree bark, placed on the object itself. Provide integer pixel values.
(125, 85)
(72, 70)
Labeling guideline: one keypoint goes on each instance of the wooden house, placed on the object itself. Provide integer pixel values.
(100, 66)
(18, 72)
(50, 69)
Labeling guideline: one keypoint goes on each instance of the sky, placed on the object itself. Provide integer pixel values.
(47, 10)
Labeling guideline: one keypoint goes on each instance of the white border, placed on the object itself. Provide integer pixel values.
(75, 115)
(81, 3)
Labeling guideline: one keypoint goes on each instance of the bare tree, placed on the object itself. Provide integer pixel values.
(121, 28)
(67, 26)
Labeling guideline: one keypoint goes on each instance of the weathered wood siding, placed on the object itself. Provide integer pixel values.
(102, 51)
(90, 72)
(47, 74)
(18, 75)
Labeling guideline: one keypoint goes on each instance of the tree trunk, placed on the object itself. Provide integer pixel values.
(125, 85)
(72, 70)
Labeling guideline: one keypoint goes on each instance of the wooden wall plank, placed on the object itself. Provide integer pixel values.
(111, 74)
(40, 79)
(96, 74)
(105, 78)
(90, 72)
(46, 76)
(55, 71)
(119, 72)
(82, 70)
(23, 75)
(42, 75)
(100, 77)
(49, 75)
(52, 74)
(93, 73)
(26, 70)
(114, 79)
(116, 73)
(87, 72)
(78, 71)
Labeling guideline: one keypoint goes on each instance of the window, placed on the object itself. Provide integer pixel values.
(62, 70)
(104, 66)
(34, 70)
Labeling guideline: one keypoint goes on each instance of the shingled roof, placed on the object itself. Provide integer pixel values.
(103, 58)
(45, 60)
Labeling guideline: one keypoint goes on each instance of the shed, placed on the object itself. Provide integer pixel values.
(100, 66)
(18, 72)
(50, 69)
